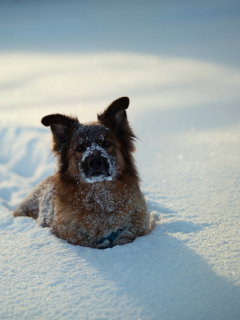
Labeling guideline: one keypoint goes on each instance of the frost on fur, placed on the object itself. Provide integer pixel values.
(110, 160)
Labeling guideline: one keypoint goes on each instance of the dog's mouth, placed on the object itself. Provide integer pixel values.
(98, 174)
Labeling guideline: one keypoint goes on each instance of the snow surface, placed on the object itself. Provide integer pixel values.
(186, 114)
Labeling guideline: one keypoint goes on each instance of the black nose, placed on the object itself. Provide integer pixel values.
(95, 163)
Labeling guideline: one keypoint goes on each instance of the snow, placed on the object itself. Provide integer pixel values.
(185, 112)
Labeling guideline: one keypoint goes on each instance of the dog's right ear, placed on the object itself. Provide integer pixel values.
(60, 126)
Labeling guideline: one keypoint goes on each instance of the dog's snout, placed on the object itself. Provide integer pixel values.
(95, 163)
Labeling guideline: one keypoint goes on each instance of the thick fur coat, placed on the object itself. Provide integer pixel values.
(94, 198)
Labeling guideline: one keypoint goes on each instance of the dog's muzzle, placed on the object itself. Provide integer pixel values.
(95, 165)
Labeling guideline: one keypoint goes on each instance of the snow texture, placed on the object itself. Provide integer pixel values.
(184, 107)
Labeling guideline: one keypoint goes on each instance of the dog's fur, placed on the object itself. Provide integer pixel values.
(94, 198)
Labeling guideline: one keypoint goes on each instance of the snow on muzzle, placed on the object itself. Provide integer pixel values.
(97, 165)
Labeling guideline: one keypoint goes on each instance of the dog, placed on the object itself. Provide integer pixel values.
(94, 198)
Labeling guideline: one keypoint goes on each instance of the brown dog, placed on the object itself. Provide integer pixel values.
(93, 199)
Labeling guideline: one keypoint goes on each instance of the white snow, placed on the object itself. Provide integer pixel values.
(186, 114)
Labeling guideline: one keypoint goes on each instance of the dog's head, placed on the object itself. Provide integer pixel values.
(94, 152)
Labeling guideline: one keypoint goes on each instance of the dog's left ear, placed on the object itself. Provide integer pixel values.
(115, 115)
(115, 118)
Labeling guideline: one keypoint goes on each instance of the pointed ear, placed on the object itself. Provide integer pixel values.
(115, 118)
(115, 115)
(60, 126)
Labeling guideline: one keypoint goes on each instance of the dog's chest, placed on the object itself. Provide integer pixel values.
(104, 207)
(101, 200)
(98, 208)
(96, 214)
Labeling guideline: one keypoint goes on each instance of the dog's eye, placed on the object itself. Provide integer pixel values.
(80, 148)
(106, 144)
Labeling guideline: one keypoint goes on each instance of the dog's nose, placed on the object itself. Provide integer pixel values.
(95, 163)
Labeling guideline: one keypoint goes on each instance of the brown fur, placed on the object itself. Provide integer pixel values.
(79, 206)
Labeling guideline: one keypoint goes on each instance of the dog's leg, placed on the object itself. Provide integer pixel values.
(138, 227)
(38, 203)
(30, 204)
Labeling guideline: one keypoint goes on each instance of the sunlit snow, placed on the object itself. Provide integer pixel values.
(185, 112)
